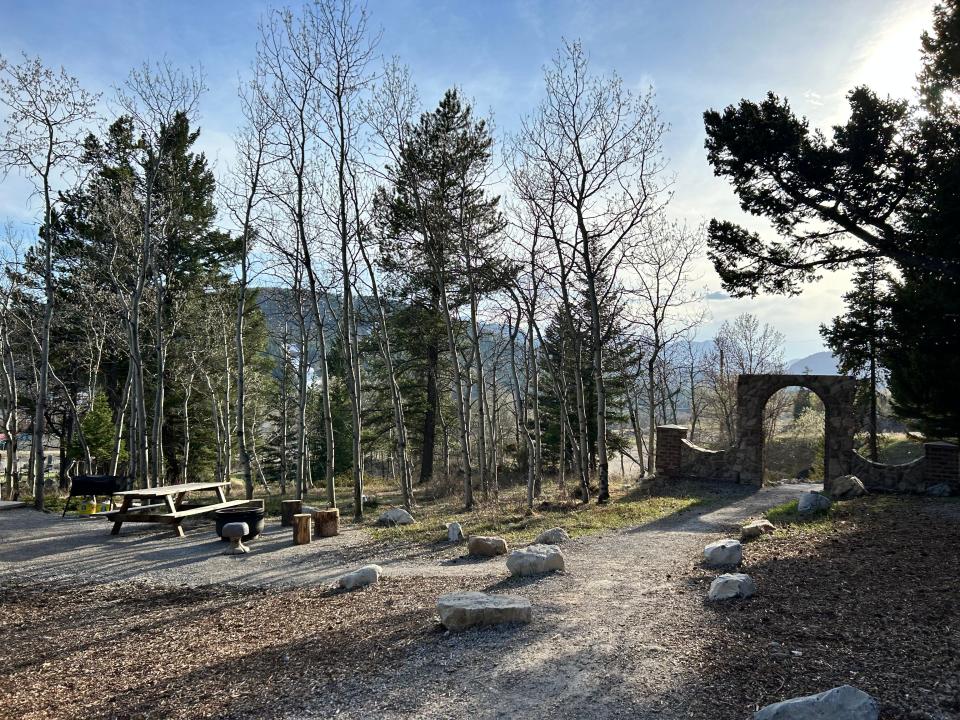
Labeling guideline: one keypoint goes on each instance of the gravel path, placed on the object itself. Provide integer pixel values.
(610, 638)
(600, 645)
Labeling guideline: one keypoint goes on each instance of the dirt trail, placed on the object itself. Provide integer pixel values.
(597, 648)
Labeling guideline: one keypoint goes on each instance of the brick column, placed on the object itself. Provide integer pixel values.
(942, 465)
(667, 460)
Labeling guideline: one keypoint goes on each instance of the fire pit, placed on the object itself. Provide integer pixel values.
(252, 516)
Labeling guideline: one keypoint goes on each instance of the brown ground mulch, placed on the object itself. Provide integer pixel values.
(873, 601)
(134, 651)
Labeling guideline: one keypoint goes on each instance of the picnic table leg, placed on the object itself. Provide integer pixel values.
(127, 501)
(177, 529)
(220, 496)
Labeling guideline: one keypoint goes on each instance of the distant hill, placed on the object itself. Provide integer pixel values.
(820, 363)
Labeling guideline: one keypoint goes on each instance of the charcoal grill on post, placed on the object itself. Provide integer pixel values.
(107, 485)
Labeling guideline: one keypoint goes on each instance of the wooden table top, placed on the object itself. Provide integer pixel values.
(173, 489)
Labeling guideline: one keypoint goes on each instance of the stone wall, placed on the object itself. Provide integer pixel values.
(702, 464)
(677, 457)
(940, 465)
(879, 477)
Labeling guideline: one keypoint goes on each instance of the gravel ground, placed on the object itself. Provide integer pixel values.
(611, 637)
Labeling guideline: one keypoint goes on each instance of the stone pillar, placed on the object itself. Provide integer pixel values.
(669, 439)
(942, 465)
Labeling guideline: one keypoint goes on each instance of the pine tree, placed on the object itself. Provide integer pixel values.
(859, 337)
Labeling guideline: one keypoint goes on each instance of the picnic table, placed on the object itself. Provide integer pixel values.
(166, 504)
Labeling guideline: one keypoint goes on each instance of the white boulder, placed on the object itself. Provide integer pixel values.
(553, 536)
(811, 502)
(395, 516)
(461, 610)
(755, 529)
(486, 545)
(454, 532)
(847, 487)
(535, 559)
(367, 575)
(844, 702)
(723, 552)
(732, 585)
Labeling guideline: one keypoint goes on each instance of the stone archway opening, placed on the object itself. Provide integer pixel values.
(794, 434)
(837, 392)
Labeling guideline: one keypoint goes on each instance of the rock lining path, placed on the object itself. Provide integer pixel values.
(598, 645)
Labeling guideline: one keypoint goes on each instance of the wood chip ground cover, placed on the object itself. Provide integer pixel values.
(135, 651)
(873, 601)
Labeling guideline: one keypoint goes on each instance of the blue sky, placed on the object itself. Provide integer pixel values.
(696, 55)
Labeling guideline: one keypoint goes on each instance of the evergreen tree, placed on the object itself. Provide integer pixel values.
(884, 188)
(859, 338)
(434, 207)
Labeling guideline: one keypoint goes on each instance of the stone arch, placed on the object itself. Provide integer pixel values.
(837, 393)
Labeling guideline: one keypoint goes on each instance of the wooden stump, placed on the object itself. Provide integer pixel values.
(326, 523)
(301, 528)
(289, 508)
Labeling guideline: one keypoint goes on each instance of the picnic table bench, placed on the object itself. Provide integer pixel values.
(166, 505)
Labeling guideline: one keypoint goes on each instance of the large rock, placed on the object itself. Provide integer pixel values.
(847, 487)
(842, 703)
(454, 531)
(395, 516)
(811, 502)
(732, 585)
(367, 575)
(535, 559)
(723, 552)
(486, 545)
(755, 529)
(553, 536)
(461, 610)
(939, 490)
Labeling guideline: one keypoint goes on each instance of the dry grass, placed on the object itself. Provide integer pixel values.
(509, 518)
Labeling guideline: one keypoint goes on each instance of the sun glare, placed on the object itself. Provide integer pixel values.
(890, 60)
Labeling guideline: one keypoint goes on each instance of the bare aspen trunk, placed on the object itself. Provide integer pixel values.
(227, 414)
(537, 460)
(244, 455)
(637, 432)
(462, 408)
(39, 418)
(327, 423)
(284, 422)
(159, 391)
(302, 369)
(651, 416)
(520, 407)
(603, 470)
(185, 472)
(478, 359)
(446, 446)
(11, 395)
(430, 416)
(396, 399)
